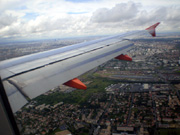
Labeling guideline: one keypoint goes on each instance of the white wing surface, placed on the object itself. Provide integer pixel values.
(29, 76)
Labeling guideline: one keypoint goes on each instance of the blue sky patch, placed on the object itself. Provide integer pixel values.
(30, 16)
(21, 8)
(77, 12)
(79, 1)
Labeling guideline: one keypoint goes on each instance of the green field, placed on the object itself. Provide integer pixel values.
(78, 96)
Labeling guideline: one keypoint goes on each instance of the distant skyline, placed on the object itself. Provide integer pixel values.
(41, 19)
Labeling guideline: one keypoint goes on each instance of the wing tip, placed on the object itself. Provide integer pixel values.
(152, 28)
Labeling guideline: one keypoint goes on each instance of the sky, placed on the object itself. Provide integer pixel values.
(45, 19)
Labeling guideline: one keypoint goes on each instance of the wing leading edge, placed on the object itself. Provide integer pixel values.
(30, 76)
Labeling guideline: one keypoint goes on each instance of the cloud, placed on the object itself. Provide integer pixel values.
(10, 4)
(168, 16)
(120, 12)
(6, 20)
(125, 16)
(60, 18)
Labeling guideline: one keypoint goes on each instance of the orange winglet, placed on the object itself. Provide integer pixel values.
(76, 83)
(151, 29)
(124, 57)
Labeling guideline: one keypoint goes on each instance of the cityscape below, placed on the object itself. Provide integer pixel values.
(122, 98)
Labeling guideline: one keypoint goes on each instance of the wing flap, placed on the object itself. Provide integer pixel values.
(16, 99)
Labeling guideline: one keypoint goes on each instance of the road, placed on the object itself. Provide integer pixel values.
(129, 114)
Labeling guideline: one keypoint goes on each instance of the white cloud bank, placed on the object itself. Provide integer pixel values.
(60, 18)
(121, 12)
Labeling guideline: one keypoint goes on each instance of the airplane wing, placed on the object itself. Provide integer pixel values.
(29, 76)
